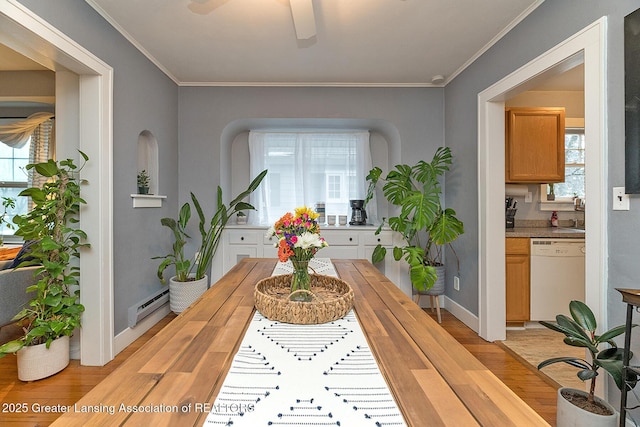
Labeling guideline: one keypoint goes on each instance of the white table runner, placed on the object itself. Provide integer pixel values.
(304, 375)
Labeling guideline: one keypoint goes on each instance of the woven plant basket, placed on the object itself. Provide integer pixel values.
(332, 300)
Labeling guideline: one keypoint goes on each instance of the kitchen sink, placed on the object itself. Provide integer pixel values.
(568, 230)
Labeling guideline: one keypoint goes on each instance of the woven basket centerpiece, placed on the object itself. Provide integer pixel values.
(332, 300)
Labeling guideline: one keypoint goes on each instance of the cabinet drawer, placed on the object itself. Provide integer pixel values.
(517, 246)
(269, 240)
(385, 238)
(242, 237)
(340, 238)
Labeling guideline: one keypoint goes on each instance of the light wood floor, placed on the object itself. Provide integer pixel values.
(68, 386)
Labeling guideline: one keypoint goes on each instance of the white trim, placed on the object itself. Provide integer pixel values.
(129, 335)
(35, 38)
(461, 313)
(495, 39)
(589, 44)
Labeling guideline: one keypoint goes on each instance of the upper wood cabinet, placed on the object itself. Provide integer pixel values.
(534, 149)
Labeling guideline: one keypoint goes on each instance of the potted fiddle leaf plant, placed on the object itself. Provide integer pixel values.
(577, 407)
(425, 226)
(190, 280)
(51, 317)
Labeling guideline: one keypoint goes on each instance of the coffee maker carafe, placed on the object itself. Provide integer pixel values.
(358, 214)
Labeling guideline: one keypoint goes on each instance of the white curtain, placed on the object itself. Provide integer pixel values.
(17, 134)
(306, 168)
(40, 128)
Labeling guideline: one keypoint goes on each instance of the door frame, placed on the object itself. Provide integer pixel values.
(588, 46)
(86, 107)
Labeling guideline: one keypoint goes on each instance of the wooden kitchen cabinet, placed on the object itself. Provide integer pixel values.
(518, 288)
(534, 145)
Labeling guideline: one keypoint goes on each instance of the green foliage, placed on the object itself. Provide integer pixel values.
(210, 233)
(7, 203)
(143, 178)
(416, 191)
(580, 331)
(55, 311)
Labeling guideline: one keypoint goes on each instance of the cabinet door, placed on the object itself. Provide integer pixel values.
(534, 149)
(518, 290)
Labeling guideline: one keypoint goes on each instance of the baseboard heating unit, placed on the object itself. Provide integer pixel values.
(142, 309)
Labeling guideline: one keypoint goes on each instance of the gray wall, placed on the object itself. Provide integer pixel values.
(549, 24)
(143, 98)
(415, 116)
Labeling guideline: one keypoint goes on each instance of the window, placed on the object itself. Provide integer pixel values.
(306, 168)
(13, 179)
(574, 153)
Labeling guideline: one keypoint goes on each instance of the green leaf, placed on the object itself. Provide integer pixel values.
(583, 315)
(11, 347)
(379, 253)
(611, 333)
(572, 361)
(397, 253)
(47, 169)
(423, 277)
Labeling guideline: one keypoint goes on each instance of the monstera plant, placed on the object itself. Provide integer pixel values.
(426, 227)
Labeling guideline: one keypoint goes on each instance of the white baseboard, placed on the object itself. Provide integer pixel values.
(129, 335)
(464, 315)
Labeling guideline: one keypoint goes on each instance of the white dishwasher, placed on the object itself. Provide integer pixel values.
(557, 276)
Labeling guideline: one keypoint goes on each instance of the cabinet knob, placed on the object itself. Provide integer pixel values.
(351, 239)
(242, 238)
(378, 239)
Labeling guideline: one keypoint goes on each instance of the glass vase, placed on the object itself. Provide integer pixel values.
(301, 281)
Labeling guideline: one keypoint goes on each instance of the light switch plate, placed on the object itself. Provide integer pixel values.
(620, 199)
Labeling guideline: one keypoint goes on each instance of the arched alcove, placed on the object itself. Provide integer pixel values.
(148, 161)
(148, 158)
(234, 146)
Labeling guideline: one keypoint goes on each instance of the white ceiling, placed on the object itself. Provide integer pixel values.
(356, 42)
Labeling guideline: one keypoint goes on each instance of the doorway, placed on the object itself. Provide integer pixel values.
(83, 83)
(588, 47)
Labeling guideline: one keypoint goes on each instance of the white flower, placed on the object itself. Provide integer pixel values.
(270, 232)
(309, 240)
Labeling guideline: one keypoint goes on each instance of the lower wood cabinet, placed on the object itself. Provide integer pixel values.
(517, 279)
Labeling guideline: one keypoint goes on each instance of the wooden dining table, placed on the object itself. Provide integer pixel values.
(174, 378)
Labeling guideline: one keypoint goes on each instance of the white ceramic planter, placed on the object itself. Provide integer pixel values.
(37, 361)
(569, 415)
(183, 294)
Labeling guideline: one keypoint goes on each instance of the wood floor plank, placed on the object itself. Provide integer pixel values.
(443, 399)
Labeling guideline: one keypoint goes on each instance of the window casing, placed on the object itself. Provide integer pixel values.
(13, 179)
(306, 168)
(574, 184)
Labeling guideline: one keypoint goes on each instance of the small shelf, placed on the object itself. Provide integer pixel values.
(147, 200)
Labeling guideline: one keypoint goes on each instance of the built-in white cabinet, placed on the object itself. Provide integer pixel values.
(349, 242)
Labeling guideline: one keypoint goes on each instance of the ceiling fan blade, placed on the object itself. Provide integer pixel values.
(304, 20)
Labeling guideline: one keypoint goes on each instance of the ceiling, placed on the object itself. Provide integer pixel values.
(313, 42)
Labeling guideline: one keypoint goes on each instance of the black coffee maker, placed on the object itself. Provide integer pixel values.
(358, 214)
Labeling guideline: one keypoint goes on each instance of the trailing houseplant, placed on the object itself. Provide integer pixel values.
(580, 331)
(51, 228)
(189, 269)
(423, 223)
(7, 203)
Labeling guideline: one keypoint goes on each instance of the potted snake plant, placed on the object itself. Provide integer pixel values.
(425, 226)
(190, 280)
(51, 317)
